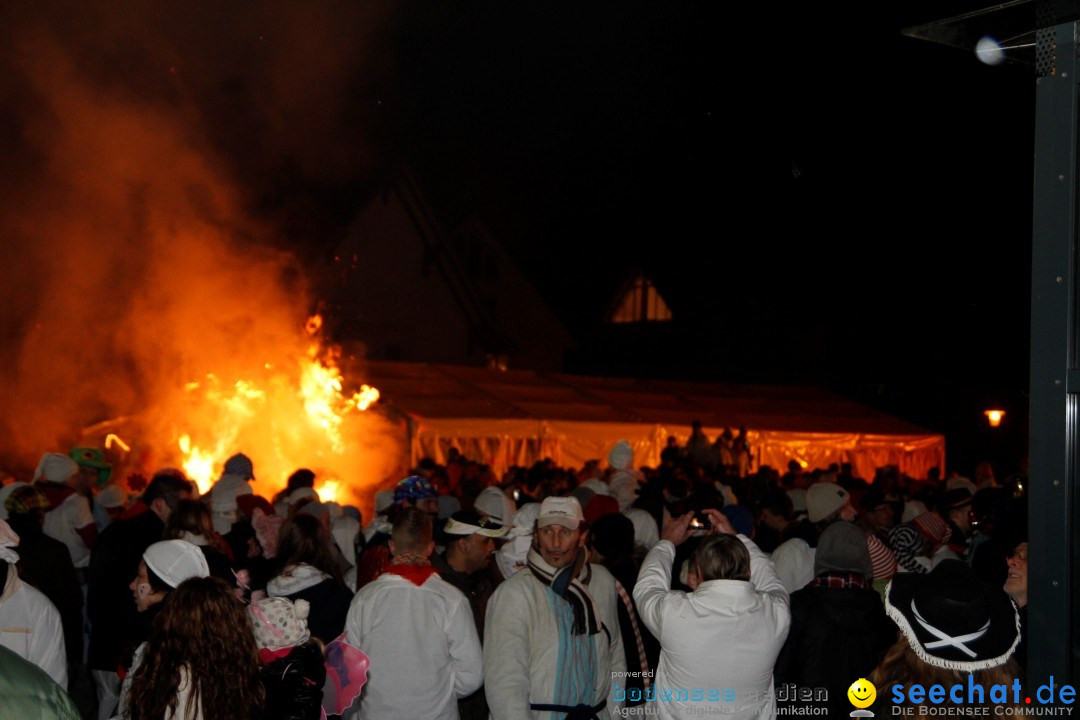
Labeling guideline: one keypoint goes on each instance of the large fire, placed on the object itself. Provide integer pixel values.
(288, 417)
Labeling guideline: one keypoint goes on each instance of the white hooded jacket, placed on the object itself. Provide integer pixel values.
(722, 639)
(30, 627)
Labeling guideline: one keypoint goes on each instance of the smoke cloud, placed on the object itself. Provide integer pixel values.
(159, 165)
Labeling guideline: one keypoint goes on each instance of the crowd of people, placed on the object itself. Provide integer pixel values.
(696, 587)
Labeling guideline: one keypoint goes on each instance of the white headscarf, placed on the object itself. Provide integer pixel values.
(54, 467)
(621, 457)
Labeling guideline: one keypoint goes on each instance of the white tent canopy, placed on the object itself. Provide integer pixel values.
(517, 417)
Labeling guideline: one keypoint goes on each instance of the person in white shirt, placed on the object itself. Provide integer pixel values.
(69, 518)
(418, 631)
(718, 643)
(29, 624)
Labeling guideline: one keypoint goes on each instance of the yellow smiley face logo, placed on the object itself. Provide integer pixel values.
(861, 693)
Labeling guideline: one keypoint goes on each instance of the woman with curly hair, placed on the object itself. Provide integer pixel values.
(201, 662)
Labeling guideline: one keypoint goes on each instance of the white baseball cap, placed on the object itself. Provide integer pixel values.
(565, 511)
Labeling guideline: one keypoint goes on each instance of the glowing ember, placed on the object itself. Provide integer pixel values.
(114, 439)
(364, 399)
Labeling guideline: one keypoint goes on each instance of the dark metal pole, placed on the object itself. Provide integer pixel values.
(1055, 383)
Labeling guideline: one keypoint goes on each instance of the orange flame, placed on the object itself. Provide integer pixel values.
(297, 419)
(328, 491)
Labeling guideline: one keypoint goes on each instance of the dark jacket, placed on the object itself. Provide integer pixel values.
(219, 565)
(294, 684)
(114, 563)
(477, 587)
(625, 572)
(837, 636)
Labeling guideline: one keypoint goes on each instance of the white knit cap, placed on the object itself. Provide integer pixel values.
(55, 467)
(175, 561)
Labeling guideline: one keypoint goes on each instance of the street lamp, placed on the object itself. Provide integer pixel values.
(994, 417)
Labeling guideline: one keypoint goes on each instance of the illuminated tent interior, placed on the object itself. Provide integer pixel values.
(517, 417)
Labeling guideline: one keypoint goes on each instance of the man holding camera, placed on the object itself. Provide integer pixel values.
(719, 642)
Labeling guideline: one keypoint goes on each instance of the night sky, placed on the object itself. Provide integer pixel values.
(839, 205)
(819, 199)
